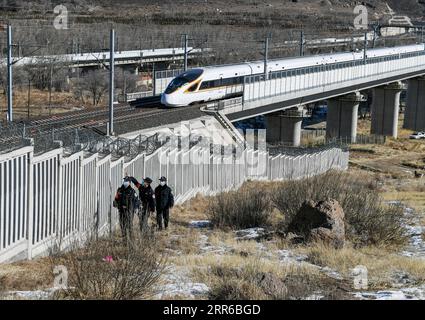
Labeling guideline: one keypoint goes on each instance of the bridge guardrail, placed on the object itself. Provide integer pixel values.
(134, 96)
(224, 104)
(319, 78)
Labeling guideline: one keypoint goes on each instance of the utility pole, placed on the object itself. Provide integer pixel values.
(365, 48)
(375, 29)
(302, 44)
(153, 78)
(50, 86)
(185, 52)
(266, 57)
(9, 75)
(111, 81)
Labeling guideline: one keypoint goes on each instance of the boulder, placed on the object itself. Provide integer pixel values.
(322, 221)
(272, 285)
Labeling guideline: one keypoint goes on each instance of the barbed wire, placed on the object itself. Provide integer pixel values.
(287, 149)
(16, 135)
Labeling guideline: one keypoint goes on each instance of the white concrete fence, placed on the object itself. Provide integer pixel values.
(54, 199)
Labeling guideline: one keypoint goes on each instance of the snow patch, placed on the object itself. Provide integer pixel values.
(414, 293)
(177, 283)
(250, 234)
(415, 232)
(287, 256)
(200, 224)
(31, 295)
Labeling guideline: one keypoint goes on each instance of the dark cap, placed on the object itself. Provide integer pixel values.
(163, 178)
(148, 180)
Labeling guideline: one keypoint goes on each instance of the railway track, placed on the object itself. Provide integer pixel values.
(77, 119)
(140, 115)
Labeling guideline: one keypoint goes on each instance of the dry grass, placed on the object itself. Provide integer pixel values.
(61, 102)
(193, 209)
(184, 242)
(26, 275)
(382, 264)
(253, 277)
(310, 141)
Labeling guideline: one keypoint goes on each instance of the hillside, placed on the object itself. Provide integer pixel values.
(286, 13)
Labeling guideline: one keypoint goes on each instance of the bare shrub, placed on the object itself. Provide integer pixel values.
(2, 285)
(246, 208)
(252, 282)
(108, 269)
(368, 220)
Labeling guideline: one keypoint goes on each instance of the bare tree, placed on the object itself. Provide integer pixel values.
(126, 81)
(32, 74)
(3, 82)
(95, 83)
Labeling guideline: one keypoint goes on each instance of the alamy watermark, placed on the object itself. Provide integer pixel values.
(360, 278)
(361, 21)
(223, 149)
(61, 277)
(61, 20)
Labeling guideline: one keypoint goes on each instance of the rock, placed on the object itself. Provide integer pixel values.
(272, 285)
(402, 279)
(294, 238)
(322, 221)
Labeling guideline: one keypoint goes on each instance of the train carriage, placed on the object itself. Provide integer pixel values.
(212, 83)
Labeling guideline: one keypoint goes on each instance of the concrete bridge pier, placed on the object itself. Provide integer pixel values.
(285, 126)
(385, 109)
(414, 116)
(341, 121)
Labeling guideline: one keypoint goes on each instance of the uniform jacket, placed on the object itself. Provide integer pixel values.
(125, 198)
(164, 197)
(146, 195)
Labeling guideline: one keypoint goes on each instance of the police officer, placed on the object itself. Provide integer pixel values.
(146, 196)
(126, 202)
(164, 201)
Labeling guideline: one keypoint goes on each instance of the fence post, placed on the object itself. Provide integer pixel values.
(59, 195)
(30, 216)
(80, 207)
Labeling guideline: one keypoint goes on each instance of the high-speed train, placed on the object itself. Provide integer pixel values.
(219, 82)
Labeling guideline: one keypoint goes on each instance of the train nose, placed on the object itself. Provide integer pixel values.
(165, 99)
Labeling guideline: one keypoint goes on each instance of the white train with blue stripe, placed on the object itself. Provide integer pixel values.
(211, 83)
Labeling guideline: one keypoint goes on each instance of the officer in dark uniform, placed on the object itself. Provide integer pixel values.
(164, 201)
(126, 202)
(147, 200)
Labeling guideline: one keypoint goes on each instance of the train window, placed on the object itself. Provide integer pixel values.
(226, 82)
(217, 83)
(193, 87)
(206, 85)
(182, 79)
